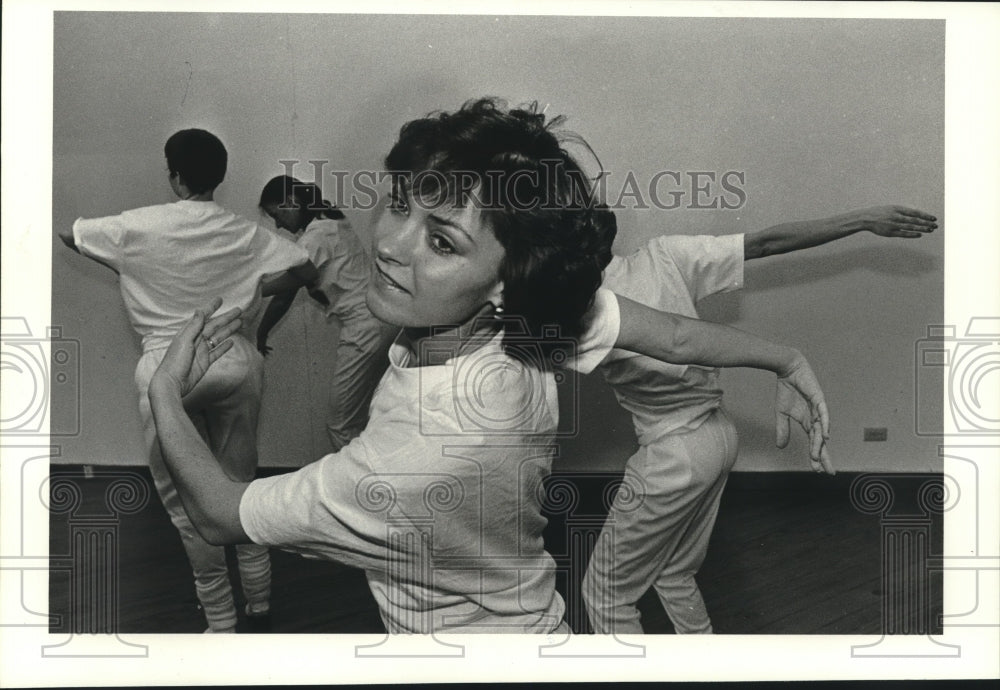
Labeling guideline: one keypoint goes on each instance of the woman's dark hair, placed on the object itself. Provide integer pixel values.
(535, 198)
(288, 192)
(198, 157)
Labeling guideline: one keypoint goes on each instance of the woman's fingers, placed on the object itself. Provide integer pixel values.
(782, 431)
(916, 227)
(219, 350)
(220, 320)
(911, 228)
(196, 325)
(821, 460)
(193, 328)
(914, 213)
(221, 327)
(216, 330)
(824, 418)
(816, 440)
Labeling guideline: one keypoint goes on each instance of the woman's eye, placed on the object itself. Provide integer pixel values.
(441, 244)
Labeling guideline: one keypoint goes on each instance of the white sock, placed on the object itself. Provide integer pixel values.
(220, 632)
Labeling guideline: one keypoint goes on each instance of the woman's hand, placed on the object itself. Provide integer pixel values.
(800, 398)
(195, 347)
(893, 221)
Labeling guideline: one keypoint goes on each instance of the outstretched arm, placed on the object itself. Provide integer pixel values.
(294, 278)
(276, 309)
(211, 499)
(681, 340)
(887, 221)
(304, 275)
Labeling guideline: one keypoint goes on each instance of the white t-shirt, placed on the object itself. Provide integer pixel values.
(671, 273)
(343, 266)
(439, 498)
(174, 258)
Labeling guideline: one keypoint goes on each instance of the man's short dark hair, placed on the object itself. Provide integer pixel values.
(198, 157)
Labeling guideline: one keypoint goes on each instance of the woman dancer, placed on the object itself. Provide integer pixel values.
(336, 251)
(438, 499)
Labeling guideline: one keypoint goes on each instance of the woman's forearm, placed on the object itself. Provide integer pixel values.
(211, 499)
(790, 237)
(886, 221)
(681, 340)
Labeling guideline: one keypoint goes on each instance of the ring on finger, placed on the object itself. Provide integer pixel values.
(211, 343)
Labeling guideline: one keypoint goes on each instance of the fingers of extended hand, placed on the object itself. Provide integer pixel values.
(196, 325)
(900, 222)
(223, 326)
(193, 328)
(821, 461)
(781, 430)
(824, 418)
(914, 213)
(916, 227)
(826, 462)
(219, 350)
(816, 441)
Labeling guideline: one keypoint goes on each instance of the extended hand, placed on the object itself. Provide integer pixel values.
(196, 347)
(894, 221)
(800, 398)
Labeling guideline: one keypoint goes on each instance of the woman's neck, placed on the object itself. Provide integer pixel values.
(437, 344)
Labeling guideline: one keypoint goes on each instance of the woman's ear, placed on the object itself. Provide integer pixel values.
(496, 296)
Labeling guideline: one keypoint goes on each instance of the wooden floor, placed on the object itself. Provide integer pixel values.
(790, 555)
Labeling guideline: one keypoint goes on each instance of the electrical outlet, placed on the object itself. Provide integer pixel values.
(876, 433)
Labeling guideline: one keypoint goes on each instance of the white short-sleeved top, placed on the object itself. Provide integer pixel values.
(439, 498)
(344, 269)
(174, 258)
(671, 273)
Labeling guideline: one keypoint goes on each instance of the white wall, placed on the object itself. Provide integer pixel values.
(821, 115)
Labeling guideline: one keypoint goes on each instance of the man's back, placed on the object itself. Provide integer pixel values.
(171, 258)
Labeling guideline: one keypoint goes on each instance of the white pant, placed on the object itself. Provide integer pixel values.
(362, 358)
(660, 537)
(224, 407)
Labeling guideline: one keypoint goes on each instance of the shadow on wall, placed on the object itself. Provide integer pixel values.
(802, 269)
(379, 117)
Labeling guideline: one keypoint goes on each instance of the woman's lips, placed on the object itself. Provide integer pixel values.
(389, 282)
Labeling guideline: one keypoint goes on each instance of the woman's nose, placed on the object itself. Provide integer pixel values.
(395, 239)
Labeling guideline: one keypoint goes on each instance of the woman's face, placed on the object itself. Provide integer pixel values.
(436, 266)
(286, 218)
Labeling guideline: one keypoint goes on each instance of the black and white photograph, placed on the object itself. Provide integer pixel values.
(518, 342)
